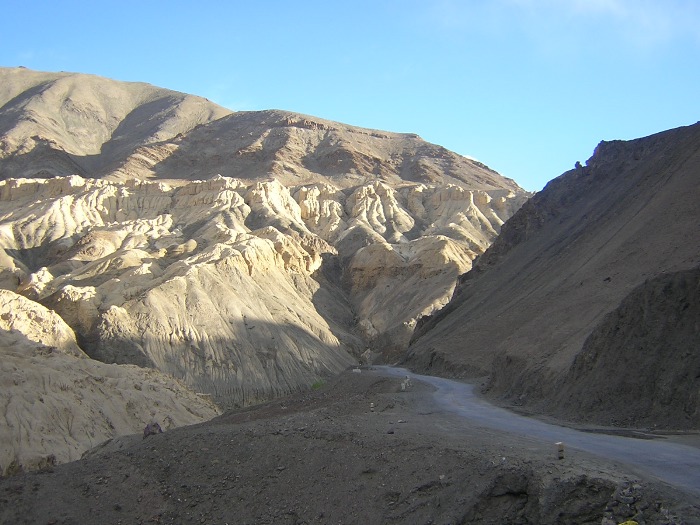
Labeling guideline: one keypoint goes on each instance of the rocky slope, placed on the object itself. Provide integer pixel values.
(56, 402)
(247, 254)
(532, 312)
(223, 284)
(642, 355)
(325, 457)
(67, 124)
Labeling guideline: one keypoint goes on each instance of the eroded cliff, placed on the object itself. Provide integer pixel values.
(222, 282)
(247, 254)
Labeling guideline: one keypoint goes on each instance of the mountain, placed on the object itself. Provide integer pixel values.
(248, 255)
(60, 124)
(57, 402)
(585, 307)
(68, 124)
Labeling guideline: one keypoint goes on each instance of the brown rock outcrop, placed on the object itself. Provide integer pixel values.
(565, 260)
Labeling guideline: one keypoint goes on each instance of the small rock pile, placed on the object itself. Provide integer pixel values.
(628, 506)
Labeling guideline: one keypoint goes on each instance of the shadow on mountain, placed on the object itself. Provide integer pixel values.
(259, 362)
(43, 162)
(642, 355)
(540, 294)
(33, 259)
(16, 342)
(136, 128)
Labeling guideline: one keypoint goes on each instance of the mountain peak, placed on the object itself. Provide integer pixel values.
(59, 124)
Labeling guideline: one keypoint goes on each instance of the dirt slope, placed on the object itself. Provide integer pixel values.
(565, 260)
(298, 149)
(56, 403)
(326, 457)
(643, 355)
(75, 124)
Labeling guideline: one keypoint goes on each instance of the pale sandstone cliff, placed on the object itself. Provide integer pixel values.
(220, 282)
(247, 254)
(56, 402)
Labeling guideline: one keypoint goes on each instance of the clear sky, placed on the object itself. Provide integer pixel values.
(526, 86)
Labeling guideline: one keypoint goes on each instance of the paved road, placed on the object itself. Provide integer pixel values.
(674, 463)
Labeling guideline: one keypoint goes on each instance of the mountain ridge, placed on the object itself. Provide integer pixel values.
(162, 134)
(247, 255)
(570, 255)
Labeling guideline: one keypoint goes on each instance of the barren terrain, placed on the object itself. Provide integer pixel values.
(159, 252)
(329, 456)
(243, 255)
(586, 304)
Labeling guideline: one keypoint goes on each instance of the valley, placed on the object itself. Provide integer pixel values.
(358, 450)
(240, 278)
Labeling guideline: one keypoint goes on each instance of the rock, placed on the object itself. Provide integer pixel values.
(151, 429)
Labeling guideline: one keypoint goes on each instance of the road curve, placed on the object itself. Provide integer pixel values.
(676, 464)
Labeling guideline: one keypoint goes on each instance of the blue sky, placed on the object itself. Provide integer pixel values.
(526, 86)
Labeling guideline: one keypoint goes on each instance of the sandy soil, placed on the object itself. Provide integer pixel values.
(330, 456)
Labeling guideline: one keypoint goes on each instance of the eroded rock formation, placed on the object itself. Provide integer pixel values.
(247, 254)
(222, 283)
(56, 402)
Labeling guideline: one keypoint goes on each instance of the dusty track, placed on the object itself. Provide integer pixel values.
(675, 460)
(327, 457)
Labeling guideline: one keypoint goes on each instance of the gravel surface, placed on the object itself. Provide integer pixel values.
(358, 450)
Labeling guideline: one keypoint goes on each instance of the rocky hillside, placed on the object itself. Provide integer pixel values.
(557, 312)
(656, 327)
(67, 124)
(247, 254)
(56, 402)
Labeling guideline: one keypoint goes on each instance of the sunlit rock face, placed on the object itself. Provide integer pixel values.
(243, 255)
(242, 289)
(57, 402)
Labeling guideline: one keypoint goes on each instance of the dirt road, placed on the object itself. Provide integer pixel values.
(360, 450)
(675, 463)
